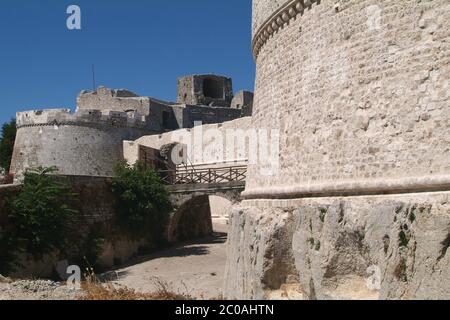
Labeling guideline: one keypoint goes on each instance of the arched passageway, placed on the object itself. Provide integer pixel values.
(199, 217)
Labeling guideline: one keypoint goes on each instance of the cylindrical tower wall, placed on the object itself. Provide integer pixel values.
(359, 91)
(87, 143)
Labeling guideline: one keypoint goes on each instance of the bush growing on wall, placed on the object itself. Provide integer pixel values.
(143, 205)
(39, 219)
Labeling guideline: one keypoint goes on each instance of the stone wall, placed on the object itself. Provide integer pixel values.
(192, 220)
(95, 208)
(262, 10)
(220, 207)
(89, 141)
(243, 100)
(208, 115)
(104, 99)
(201, 147)
(116, 100)
(86, 143)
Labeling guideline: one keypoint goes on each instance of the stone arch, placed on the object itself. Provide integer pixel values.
(192, 217)
(191, 220)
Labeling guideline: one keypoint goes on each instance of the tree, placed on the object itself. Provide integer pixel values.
(143, 204)
(8, 136)
(40, 218)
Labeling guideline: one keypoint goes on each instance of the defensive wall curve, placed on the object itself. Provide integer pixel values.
(88, 142)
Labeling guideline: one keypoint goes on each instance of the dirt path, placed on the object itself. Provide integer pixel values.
(194, 268)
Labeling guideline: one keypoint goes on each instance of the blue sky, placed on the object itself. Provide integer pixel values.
(141, 45)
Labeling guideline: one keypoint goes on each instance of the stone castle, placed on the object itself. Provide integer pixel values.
(89, 142)
(359, 91)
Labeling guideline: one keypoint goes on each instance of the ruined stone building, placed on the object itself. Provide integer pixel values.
(89, 141)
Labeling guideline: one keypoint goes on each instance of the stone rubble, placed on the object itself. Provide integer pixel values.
(36, 290)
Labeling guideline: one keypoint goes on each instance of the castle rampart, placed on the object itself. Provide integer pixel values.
(88, 142)
(116, 100)
(80, 118)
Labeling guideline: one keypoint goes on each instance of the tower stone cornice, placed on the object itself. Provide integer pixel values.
(277, 21)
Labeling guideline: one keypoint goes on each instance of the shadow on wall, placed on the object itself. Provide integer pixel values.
(194, 219)
(99, 239)
(191, 221)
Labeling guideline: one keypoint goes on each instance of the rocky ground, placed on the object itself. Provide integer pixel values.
(36, 290)
(194, 269)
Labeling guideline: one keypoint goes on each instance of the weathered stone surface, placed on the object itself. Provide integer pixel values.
(77, 144)
(4, 279)
(243, 100)
(359, 93)
(95, 212)
(194, 210)
(208, 90)
(328, 248)
(262, 10)
(192, 220)
(202, 148)
(110, 99)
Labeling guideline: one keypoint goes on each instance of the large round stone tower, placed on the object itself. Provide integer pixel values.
(88, 142)
(359, 91)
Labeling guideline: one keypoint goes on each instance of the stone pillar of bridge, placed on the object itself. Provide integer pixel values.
(192, 217)
(192, 220)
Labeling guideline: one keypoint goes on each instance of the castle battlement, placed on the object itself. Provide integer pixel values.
(51, 117)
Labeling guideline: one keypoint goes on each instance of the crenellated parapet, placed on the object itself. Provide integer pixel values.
(87, 142)
(82, 117)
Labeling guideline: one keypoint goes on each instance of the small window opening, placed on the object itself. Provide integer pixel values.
(213, 89)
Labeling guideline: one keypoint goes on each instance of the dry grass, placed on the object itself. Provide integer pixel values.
(95, 290)
(109, 292)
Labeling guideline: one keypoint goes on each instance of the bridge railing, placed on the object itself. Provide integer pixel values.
(204, 176)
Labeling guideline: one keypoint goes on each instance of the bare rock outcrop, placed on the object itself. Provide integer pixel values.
(347, 248)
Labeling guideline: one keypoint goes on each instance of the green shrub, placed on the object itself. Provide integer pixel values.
(39, 219)
(143, 206)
